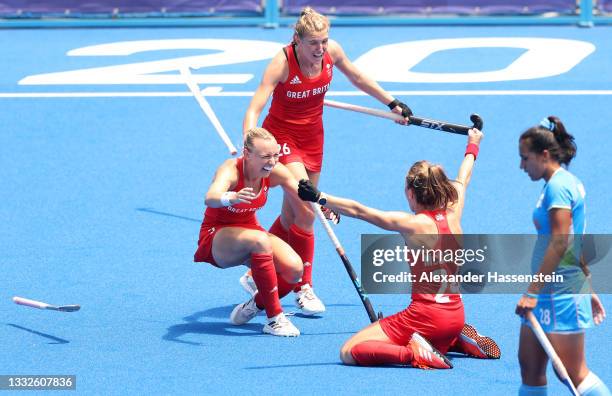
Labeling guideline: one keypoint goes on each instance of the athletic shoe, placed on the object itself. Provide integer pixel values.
(244, 312)
(308, 301)
(471, 343)
(425, 356)
(248, 283)
(280, 325)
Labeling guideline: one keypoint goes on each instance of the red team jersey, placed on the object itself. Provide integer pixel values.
(434, 292)
(437, 317)
(242, 213)
(238, 215)
(296, 113)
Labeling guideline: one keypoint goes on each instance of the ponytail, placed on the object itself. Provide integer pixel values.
(431, 186)
(565, 141)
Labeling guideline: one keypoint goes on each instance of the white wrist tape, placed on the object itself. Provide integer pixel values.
(225, 198)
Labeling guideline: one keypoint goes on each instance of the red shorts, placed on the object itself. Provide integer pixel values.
(307, 151)
(440, 325)
(207, 235)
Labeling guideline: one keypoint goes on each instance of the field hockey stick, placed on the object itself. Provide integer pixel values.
(552, 355)
(347, 265)
(208, 111)
(414, 120)
(41, 305)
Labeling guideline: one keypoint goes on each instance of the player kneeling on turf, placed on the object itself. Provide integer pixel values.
(433, 323)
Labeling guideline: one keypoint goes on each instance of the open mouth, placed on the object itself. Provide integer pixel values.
(268, 168)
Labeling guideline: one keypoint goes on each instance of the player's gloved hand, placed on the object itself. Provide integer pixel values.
(307, 191)
(405, 110)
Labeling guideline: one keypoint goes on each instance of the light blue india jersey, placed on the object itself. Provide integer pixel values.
(563, 307)
(562, 191)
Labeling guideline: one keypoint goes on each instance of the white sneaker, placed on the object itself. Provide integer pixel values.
(425, 356)
(280, 325)
(416, 337)
(244, 312)
(308, 301)
(248, 283)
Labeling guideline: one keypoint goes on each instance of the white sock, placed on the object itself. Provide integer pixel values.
(592, 385)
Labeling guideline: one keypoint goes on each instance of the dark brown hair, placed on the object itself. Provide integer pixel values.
(551, 135)
(431, 186)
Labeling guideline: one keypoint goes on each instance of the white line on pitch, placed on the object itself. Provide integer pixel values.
(331, 93)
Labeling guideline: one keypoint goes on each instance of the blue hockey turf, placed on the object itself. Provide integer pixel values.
(103, 193)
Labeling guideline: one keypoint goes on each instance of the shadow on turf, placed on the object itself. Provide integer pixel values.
(195, 326)
(153, 211)
(224, 312)
(48, 336)
(338, 363)
(174, 333)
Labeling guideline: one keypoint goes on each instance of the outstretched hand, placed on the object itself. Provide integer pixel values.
(307, 191)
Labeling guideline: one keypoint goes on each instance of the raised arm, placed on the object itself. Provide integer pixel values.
(364, 82)
(276, 71)
(465, 170)
(391, 221)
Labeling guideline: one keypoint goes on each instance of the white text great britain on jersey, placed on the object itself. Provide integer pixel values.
(308, 92)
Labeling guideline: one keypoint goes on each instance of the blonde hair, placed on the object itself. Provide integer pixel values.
(256, 133)
(310, 22)
(430, 185)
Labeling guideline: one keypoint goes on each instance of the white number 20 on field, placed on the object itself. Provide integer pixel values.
(543, 57)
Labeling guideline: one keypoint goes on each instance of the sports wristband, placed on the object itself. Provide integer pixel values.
(393, 104)
(531, 295)
(322, 200)
(472, 149)
(225, 198)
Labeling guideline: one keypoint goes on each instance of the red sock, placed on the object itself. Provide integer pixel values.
(264, 276)
(303, 244)
(379, 353)
(278, 230)
(284, 287)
